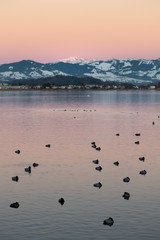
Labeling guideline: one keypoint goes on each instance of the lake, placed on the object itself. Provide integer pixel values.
(69, 121)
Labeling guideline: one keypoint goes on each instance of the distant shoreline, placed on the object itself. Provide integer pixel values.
(58, 89)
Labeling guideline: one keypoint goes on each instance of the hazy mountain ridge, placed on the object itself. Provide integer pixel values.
(125, 71)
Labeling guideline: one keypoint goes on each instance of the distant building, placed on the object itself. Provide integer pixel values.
(152, 87)
(136, 87)
(90, 86)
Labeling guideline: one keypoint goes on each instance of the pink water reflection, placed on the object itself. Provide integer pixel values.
(66, 169)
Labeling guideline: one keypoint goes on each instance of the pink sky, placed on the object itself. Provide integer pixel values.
(49, 30)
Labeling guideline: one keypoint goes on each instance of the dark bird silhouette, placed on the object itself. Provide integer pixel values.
(108, 221)
(126, 195)
(116, 163)
(127, 179)
(28, 169)
(98, 148)
(17, 151)
(16, 178)
(14, 205)
(99, 168)
(95, 161)
(61, 201)
(143, 172)
(98, 185)
(48, 145)
(35, 164)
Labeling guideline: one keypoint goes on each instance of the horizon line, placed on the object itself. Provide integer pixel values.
(79, 59)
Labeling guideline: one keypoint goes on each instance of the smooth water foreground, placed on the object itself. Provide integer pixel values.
(70, 121)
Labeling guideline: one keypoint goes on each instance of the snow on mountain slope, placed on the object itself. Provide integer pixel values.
(46, 73)
(135, 71)
(12, 75)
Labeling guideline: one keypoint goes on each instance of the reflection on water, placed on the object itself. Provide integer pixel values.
(69, 121)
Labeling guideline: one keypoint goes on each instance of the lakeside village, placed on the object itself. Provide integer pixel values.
(125, 86)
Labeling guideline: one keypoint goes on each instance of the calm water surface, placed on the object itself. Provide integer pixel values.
(70, 121)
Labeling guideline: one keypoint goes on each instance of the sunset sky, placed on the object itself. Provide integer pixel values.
(50, 30)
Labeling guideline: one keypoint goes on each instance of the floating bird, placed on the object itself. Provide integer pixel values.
(14, 205)
(142, 158)
(116, 163)
(28, 169)
(48, 145)
(127, 179)
(17, 151)
(99, 185)
(143, 172)
(94, 146)
(61, 201)
(137, 134)
(95, 161)
(16, 178)
(117, 134)
(93, 143)
(98, 148)
(126, 195)
(108, 221)
(137, 142)
(35, 164)
(99, 168)
(153, 123)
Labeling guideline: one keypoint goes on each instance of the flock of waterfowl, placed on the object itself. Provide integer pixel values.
(28, 169)
(76, 110)
(126, 195)
(95, 146)
(110, 220)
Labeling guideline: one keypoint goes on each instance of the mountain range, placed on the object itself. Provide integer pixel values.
(132, 71)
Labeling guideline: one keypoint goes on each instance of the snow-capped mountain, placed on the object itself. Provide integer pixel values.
(74, 60)
(135, 71)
